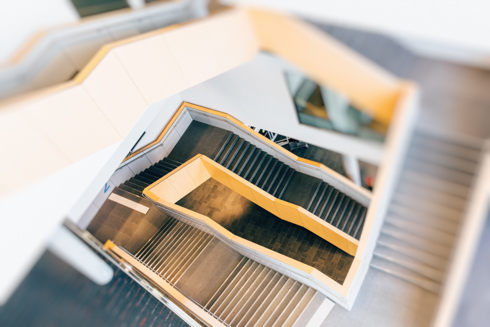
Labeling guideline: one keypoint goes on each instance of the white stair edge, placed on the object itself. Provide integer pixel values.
(321, 306)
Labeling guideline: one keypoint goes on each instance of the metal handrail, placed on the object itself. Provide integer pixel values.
(175, 286)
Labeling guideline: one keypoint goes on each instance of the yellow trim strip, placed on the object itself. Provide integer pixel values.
(109, 245)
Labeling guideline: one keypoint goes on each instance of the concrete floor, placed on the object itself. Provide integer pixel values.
(385, 300)
(475, 302)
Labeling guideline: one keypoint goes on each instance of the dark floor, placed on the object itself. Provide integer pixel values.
(249, 221)
(54, 294)
(124, 226)
(199, 138)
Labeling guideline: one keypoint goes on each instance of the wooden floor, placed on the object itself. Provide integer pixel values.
(249, 221)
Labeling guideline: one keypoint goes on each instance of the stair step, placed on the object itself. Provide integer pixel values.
(405, 274)
(234, 152)
(299, 308)
(231, 307)
(130, 190)
(242, 158)
(230, 292)
(418, 242)
(435, 183)
(420, 230)
(198, 248)
(270, 176)
(161, 249)
(253, 163)
(229, 149)
(437, 171)
(359, 224)
(291, 306)
(150, 243)
(288, 180)
(238, 156)
(422, 218)
(134, 180)
(229, 289)
(263, 170)
(256, 320)
(155, 239)
(172, 161)
(143, 179)
(177, 256)
(161, 261)
(426, 206)
(283, 301)
(264, 294)
(276, 300)
(445, 147)
(444, 160)
(225, 145)
(258, 167)
(148, 176)
(250, 296)
(134, 186)
(275, 189)
(417, 254)
(315, 198)
(226, 283)
(433, 196)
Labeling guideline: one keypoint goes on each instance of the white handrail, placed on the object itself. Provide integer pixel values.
(48, 62)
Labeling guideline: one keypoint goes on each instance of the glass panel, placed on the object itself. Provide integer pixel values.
(94, 7)
(322, 107)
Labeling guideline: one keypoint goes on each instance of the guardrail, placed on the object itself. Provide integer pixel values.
(198, 311)
(39, 64)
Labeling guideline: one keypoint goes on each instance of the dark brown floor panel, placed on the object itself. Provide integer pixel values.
(126, 227)
(199, 138)
(251, 222)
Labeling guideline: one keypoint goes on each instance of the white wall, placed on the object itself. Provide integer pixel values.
(20, 20)
(33, 214)
(456, 24)
(257, 94)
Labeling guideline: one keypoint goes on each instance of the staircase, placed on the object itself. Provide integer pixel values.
(138, 183)
(420, 228)
(251, 295)
(274, 177)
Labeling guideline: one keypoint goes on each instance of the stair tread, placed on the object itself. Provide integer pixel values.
(405, 274)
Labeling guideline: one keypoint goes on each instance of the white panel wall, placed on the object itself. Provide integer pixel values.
(114, 92)
(150, 63)
(78, 130)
